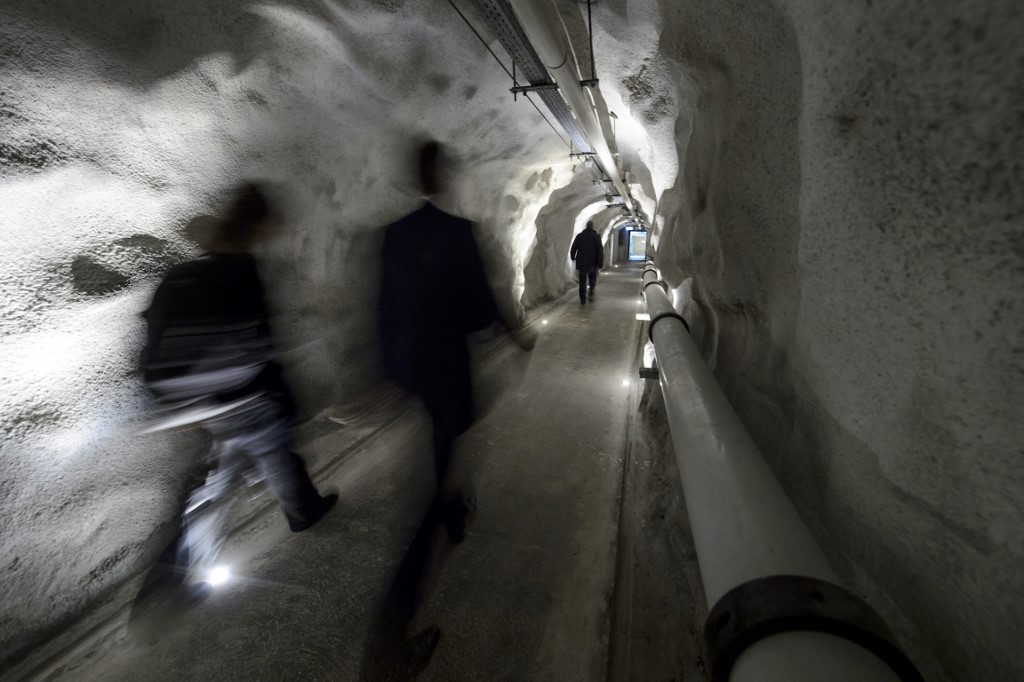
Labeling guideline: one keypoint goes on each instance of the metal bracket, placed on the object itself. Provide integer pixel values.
(650, 373)
(519, 89)
(590, 82)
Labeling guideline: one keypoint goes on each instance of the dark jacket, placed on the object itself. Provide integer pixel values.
(587, 250)
(434, 292)
(208, 330)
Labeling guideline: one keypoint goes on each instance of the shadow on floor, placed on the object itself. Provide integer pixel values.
(390, 653)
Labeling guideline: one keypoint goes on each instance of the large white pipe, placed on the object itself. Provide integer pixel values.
(744, 526)
(540, 21)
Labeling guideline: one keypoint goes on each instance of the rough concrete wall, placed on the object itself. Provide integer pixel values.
(121, 122)
(549, 271)
(511, 227)
(849, 206)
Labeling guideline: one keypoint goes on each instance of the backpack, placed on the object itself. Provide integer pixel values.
(207, 330)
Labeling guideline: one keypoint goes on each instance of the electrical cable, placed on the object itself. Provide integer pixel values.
(484, 42)
(567, 143)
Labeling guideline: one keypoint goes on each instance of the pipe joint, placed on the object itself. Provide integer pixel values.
(666, 315)
(783, 603)
(659, 282)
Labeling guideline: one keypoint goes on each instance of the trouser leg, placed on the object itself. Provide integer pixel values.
(592, 276)
(266, 443)
(451, 416)
(263, 434)
(583, 285)
(204, 524)
(450, 407)
(444, 441)
(444, 421)
(286, 477)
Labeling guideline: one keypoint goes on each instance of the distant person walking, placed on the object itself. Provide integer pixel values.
(209, 362)
(588, 253)
(434, 293)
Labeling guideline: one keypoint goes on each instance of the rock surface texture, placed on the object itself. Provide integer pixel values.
(836, 185)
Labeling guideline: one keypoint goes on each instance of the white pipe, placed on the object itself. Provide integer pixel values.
(743, 523)
(744, 526)
(539, 20)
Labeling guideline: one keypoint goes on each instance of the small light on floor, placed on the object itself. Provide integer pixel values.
(543, 321)
(625, 382)
(219, 575)
(644, 317)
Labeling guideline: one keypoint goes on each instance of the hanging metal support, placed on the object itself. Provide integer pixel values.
(593, 72)
(776, 610)
(649, 373)
(533, 88)
(546, 35)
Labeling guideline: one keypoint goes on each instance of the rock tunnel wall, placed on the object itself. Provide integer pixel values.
(850, 212)
(123, 122)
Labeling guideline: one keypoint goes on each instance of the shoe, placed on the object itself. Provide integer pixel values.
(326, 503)
(583, 301)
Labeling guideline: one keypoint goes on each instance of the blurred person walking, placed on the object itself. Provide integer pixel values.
(209, 362)
(588, 252)
(434, 293)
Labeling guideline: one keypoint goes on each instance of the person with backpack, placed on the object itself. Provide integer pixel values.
(209, 362)
(588, 252)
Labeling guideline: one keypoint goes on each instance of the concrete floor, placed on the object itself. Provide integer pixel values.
(528, 595)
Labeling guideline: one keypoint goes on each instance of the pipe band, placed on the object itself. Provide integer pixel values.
(784, 603)
(658, 282)
(671, 314)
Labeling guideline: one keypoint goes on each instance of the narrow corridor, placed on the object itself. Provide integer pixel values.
(526, 596)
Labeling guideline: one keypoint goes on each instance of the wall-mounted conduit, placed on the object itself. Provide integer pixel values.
(525, 30)
(539, 20)
(776, 609)
(506, 27)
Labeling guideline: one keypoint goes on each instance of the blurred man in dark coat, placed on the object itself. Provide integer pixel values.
(588, 252)
(434, 292)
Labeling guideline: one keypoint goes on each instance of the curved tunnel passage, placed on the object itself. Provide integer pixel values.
(831, 192)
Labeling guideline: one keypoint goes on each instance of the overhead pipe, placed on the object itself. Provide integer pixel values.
(540, 26)
(776, 610)
(506, 27)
